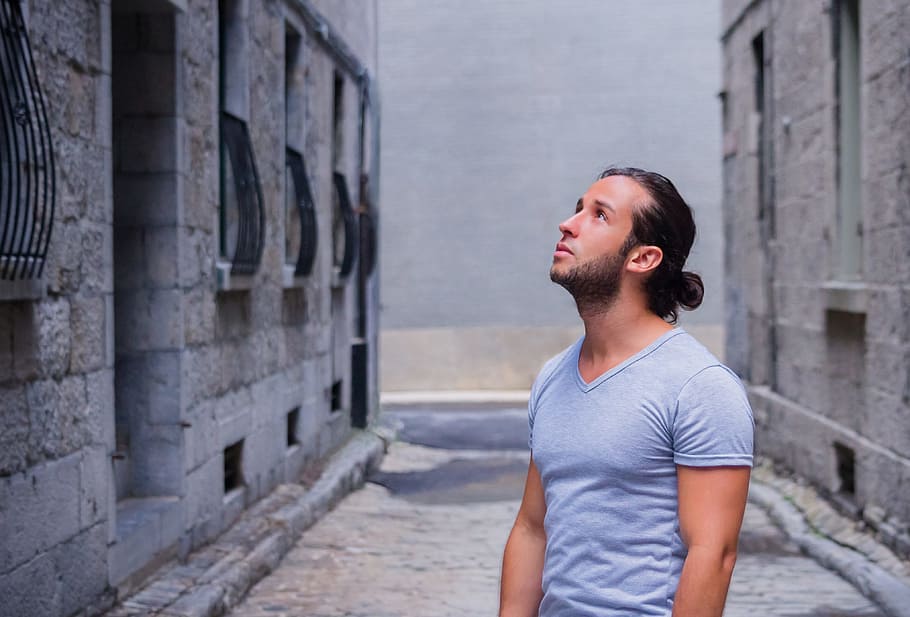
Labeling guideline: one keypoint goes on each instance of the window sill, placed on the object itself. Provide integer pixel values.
(339, 281)
(846, 297)
(28, 289)
(289, 280)
(225, 280)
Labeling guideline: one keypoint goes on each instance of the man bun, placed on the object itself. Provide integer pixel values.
(690, 292)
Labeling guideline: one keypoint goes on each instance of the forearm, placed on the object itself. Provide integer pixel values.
(703, 584)
(522, 571)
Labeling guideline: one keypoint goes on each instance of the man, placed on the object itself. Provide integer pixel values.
(641, 441)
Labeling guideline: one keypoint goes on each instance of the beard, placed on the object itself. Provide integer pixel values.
(594, 284)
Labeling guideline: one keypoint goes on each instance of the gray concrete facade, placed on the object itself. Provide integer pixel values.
(497, 116)
(153, 392)
(816, 148)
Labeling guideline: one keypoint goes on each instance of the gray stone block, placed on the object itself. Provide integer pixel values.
(150, 144)
(14, 428)
(147, 198)
(38, 510)
(88, 328)
(57, 414)
(156, 452)
(97, 257)
(32, 590)
(201, 441)
(94, 480)
(161, 257)
(41, 338)
(204, 490)
(81, 565)
(163, 386)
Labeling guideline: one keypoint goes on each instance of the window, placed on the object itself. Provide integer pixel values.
(242, 215)
(233, 467)
(344, 222)
(849, 249)
(300, 230)
(344, 228)
(27, 190)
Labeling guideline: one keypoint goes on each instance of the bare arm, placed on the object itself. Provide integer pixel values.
(712, 501)
(522, 563)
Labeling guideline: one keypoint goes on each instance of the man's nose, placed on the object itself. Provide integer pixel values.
(569, 225)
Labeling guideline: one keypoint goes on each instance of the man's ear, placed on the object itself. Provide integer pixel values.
(644, 259)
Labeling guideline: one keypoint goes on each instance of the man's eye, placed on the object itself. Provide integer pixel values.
(602, 216)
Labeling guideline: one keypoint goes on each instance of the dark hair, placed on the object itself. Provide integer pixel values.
(666, 222)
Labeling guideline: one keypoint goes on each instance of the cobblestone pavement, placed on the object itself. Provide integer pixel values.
(425, 539)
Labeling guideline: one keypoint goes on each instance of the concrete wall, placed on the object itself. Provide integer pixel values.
(497, 117)
(122, 386)
(826, 358)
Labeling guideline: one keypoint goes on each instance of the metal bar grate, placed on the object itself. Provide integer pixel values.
(307, 210)
(27, 182)
(242, 211)
(344, 227)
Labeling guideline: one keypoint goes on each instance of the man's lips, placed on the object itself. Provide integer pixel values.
(562, 248)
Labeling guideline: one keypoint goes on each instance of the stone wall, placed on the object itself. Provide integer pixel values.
(826, 355)
(122, 387)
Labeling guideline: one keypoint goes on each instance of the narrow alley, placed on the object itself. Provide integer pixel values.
(424, 537)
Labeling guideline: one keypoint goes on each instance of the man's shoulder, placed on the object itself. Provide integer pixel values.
(685, 354)
(554, 366)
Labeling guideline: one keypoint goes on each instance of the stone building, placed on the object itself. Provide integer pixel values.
(497, 115)
(816, 151)
(185, 187)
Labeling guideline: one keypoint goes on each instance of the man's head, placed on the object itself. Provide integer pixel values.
(631, 229)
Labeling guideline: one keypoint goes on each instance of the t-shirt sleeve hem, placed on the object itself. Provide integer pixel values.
(713, 460)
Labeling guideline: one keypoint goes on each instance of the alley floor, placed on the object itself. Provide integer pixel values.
(424, 537)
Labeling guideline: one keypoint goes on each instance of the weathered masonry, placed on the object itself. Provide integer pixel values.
(187, 299)
(817, 214)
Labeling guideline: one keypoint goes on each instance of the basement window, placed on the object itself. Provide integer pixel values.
(233, 469)
(846, 468)
(293, 420)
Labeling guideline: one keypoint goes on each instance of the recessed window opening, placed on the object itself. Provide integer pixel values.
(293, 420)
(846, 468)
(233, 469)
(336, 396)
(242, 213)
(849, 204)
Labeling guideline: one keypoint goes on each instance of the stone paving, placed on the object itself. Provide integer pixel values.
(432, 548)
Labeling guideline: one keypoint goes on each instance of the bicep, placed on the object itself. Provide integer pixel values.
(712, 501)
(533, 504)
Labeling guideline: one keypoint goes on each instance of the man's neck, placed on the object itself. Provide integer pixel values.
(616, 334)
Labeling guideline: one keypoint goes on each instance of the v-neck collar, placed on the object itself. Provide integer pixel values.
(586, 386)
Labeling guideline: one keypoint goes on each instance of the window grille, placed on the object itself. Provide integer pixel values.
(306, 211)
(27, 188)
(242, 211)
(344, 227)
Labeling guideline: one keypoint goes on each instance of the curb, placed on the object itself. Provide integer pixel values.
(890, 592)
(217, 577)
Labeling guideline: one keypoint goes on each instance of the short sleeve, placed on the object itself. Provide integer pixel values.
(713, 424)
(532, 411)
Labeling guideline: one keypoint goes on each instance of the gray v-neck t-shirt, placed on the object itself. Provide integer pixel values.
(607, 453)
